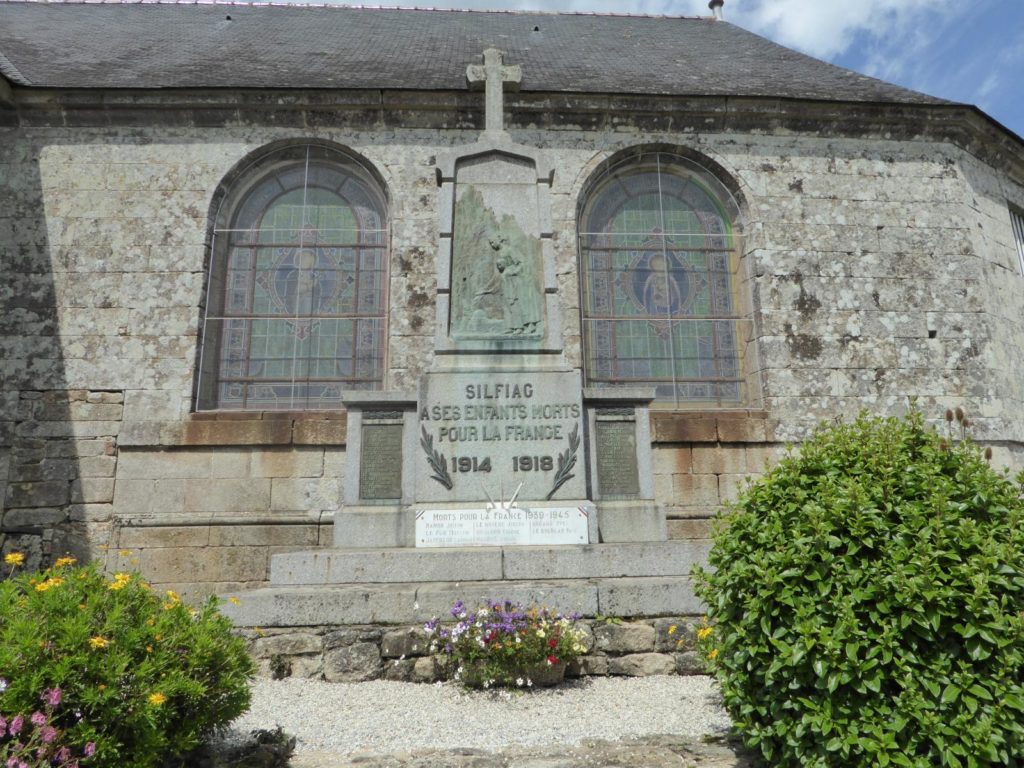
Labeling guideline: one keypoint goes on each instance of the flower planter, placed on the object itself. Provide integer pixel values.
(541, 675)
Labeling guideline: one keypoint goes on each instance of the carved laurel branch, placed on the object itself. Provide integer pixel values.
(438, 463)
(566, 461)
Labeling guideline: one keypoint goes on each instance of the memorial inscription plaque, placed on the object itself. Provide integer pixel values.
(501, 525)
(617, 474)
(487, 437)
(380, 465)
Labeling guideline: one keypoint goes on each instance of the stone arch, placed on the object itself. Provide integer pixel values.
(659, 231)
(295, 302)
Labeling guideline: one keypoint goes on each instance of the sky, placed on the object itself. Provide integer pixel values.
(968, 51)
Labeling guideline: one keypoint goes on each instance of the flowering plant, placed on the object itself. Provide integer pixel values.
(140, 676)
(36, 741)
(505, 644)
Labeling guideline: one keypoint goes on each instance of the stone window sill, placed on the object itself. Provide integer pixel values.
(330, 428)
(711, 427)
(253, 428)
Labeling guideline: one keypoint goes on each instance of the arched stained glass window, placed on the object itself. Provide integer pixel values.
(658, 260)
(296, 298)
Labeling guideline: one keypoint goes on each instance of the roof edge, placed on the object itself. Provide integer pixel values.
(365, 7)
(10, 73)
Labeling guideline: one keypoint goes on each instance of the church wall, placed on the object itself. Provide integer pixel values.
(872, 270)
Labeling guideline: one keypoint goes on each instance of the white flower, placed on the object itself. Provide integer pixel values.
(3, 685)
(529, 683)
(416, 606)
(519, 682)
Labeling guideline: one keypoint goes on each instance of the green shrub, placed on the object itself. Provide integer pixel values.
(142, 676)
(866, 599)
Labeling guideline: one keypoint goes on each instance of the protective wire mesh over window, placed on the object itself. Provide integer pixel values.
(297, 287)
(658, 256)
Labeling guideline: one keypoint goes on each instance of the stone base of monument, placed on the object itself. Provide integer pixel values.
(406, 585)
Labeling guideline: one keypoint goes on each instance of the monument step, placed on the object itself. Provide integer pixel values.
(360, 566)
(416, 603)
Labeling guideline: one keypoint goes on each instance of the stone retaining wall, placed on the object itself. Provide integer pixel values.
(663, 646)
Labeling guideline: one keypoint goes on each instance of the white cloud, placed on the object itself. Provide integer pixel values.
(827, 28)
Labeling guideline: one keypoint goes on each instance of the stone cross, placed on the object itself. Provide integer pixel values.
(494, 75)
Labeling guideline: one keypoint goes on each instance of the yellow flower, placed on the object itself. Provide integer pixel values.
(703, 633)
(63, 561)
(102, 687)
(234, 601)
(672, 629)
(149, 649)
(120, 581)
(713, 655)
(156, 699)
(55, 581)
(150, 621)
(173, 596)
(14, 559)
(98, 642)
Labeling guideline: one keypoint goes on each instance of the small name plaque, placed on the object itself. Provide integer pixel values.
(501, 526)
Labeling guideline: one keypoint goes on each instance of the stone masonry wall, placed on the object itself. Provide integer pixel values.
(664, 646)
(873, 269)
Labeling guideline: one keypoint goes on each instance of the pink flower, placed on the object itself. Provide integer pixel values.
(63, 755)
(48, 733)
(90, 749)
(16, 724)
(38, 718)
(51, 697)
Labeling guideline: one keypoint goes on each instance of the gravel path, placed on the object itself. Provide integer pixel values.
(381, 716)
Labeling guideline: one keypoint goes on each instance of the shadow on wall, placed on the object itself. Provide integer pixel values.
(50, 470)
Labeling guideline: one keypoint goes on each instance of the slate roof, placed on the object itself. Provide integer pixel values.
(179, 45)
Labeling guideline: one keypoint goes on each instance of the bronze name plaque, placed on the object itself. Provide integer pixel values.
(380, 465)
(617, 473)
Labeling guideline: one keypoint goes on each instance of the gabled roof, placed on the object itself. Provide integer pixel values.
(234, 45)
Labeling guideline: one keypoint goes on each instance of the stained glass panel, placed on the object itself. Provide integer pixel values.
(299, 314)
(657, 260)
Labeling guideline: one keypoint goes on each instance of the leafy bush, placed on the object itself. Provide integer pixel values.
(142, 676)
(866, 601)
(505, 644)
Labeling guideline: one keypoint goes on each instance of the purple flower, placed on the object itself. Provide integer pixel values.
(64, 754)
(90, 749)
(16, 725)
(48, 733)
(51, 697)
(38, 718)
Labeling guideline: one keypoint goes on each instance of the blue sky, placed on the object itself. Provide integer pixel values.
(963, 50)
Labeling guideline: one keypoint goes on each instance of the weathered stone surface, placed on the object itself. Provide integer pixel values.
(352, 663)
(675, 634)
(43, 494)
(399, 669)
(646, 752)
(641, 665)
(588, 665)
(287, 644)
(427, 669)
(405, 642)
(624, 638)
(690, 663)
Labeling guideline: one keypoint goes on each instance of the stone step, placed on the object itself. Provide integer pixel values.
(362, 566)
(414, 603)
